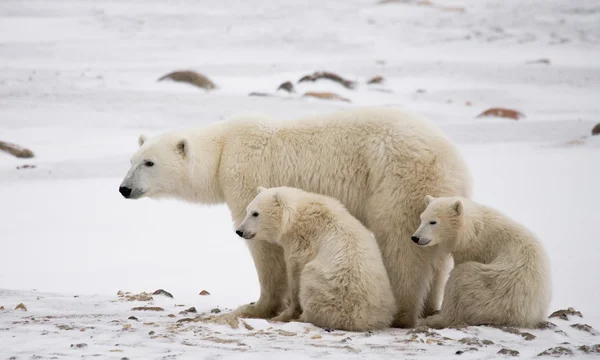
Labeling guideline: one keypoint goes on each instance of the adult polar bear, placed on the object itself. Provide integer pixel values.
(380, 163)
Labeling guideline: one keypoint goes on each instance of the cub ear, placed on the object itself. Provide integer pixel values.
(142, 139)
(458, 207)
(279, 199)
(260, 189)
(428, 199)
(183, 147)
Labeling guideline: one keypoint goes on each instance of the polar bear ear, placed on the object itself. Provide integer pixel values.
(428, 199)
(142, 139)
(183, 147)
(279, 198)
(260, 189)
(458, 207)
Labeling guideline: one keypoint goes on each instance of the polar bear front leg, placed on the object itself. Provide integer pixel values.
(441, 271)
(293, 279)
(270, 265)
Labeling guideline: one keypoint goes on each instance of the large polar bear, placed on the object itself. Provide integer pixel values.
(501, 274)
(335, 272)
(379, 163)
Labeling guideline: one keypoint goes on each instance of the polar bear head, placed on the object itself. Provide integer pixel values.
(269, 214)
(440, 221)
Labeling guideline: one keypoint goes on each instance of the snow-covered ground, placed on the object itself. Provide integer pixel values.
(78, 85)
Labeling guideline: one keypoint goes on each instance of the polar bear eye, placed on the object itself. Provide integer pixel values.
(149, 163)
(432, 222)
(255, 214)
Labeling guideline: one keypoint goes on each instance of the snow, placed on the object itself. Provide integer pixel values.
(78, 85)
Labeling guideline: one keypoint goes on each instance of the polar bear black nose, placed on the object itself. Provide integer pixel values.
(125, 191)
(415, 239)
(240, 233)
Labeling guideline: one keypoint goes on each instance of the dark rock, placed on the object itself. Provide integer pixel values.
(215, 311)
(596, 129)
(376, 80)
(78, 346)
(162, 292)
(509, 352)
(564, 314)
(190, 77)
(593, 349)
(204, 292)
(187, 311)
(585, 327)
(132, 318)
(330, 76)
(16, 150)
(287, 86)
(151, 333)
(556, 352)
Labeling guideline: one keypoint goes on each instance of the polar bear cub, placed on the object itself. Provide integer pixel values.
(336, 277)
(501, 274)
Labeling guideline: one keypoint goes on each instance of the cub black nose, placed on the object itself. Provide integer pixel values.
(125, 191)
(240, 233)
(415, 239)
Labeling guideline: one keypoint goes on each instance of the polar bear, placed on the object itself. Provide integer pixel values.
(501, 274)
(379, 162)
(335, 273)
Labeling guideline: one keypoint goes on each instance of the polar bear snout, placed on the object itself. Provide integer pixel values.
(420, 241)
(125, 191)
(415, 239)
(244, 234)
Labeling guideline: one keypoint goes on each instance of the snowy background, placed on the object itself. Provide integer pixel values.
(78, 85)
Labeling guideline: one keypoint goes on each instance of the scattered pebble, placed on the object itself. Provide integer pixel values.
(287, 333)
(543, 61)
(546, 325)
(325, 96)
(171, 315)
(328, 330)
(509, 352)
(585, 327)
(257, 93)
(215, 311)
(468, 103)
(204, 292)
(345, 340)
(162, 292)
(287, 86)
(421, 91)
(151, 333)
(190, 77)
(556, 352)
(148, 308)
(564, 314)
(376, 80)
(316, 337)
(187, 311)
(26, 166)
(329, 76)
(133, 318)
(422, 330)
(78, 346)
(21, 306)
(502, 113)
(1, 307)
(596, 129)
(593, 349)
(16, 150)
(246, 325)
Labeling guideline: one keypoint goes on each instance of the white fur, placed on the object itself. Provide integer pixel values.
(378, 162)
(501, 274)
(335, 272)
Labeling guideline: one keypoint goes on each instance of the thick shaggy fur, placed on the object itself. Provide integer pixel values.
(336, 278)
(379, 163)
(501, 274)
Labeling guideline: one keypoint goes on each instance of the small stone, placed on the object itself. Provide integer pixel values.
(543, 61)
(171, 315)
(596, 129)
(257, 93)
(246, 325)
(585, 327)
(345, 340)
(528, 336)
(204, 292)
(423, 91)
(162, 292)
(120, 293)
(132, 318)
(184, 320)
(422, 330)
(287, 333)
(546, 325)
(376, 80)
(190, 310)
(316, 337)
(459, 352)
(325, 96)
(556, 352)
(593, 349)
(151, 333)
(502, 113)
(78, 346)
(287, 86)
(468, 103)
(116, 350)
(26, 166)
(328, 330)
(148, 308)
(215, 311)
(1, 308)
(564, 314)
(509, 352)
(126, 326)
(487, 342)
(21, 306)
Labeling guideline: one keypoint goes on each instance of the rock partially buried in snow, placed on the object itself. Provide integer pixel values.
(78, 346)
(376, 80)
(502, 113)
(148, 308)
(16, 150)
(204, 293)
(596, 129)
(162, 292)
(509, 352)
(1, 308)
(286, 86)
(564, 314)
(21, 306)
(556, 352)
(187, 311)
(543, 61)
(593, 349)
(190, 77)
(26, 166)
(585, 327)
(325, 96)
(329, 76)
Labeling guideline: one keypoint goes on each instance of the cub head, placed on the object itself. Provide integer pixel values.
(267, 216)
(157, 167)
(439, 222)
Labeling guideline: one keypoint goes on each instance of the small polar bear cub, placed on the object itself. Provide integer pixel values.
(501, 274)
(336, 277)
